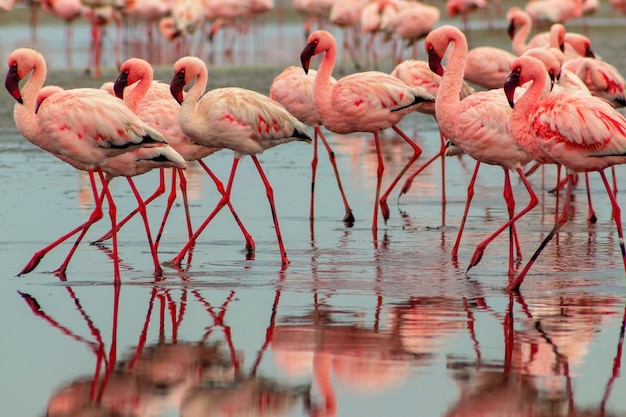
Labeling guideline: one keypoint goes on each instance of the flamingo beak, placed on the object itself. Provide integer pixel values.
(176, 86)
(12, 84)
(120, 84)
(307, 53)
(589, 53)
(511, 29)
(511, 83)
(552, 80)
(434, 62)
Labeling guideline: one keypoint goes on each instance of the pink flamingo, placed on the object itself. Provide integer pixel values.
(24, 61)
(418, 73)
(68, 10)
(363, 102)
(601, 78)
(413, 22)
(464, 8)
(592, 138)
(553, 11)
(102, 139)
(346, 14)
(146, 98)
(487, 66)
(477, 125)
(235, 118)
(294, 90)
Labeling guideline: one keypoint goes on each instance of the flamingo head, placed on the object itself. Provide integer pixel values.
(318, 42)
(437, 42)
(12, 83)
(186, 69)
(580, 43)
(551, 58)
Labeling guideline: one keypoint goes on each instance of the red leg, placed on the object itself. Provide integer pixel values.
(170, 202)
(517, 282)
(220, 187)
(470, 196)
(183, 191)
(509, 198)
(160, 190)
(379, 173)
(409, 181)
(349, 217)
(142, 210)
(480, 249)
(417, 151)
(313, 172)
(617, 215)
(270, 197)
(93, 218)
(591, 214)
(220, 205)
(112, 215)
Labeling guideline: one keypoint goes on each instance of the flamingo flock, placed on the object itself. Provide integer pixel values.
(549, 100)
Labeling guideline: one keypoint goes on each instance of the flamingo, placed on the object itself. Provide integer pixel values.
(477, 125)
(592, 138)
(146, 98)
(362, 102)
(103, 139)
(487, 66)
(464, 8)
(235, 118)
(601, 78)
(418, 73)
(553, 11)
(347, 15)
(294, 90)
(413, 22)
(68, 10)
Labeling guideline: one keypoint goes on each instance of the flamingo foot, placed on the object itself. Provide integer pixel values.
(348, 219)
(591, 218)
(32, 264)
(384, 209)
(478, 255)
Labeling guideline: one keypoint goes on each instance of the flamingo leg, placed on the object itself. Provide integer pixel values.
(417, 151)
(160, 190)
(250, 247)
(270, 197)
(442, 151)
(220, 205)
(183, 191)
(591, 216)
(313, 172)
(349, 217)
(379, 177)
(617, 215)
(96, 215)
(509, 198)
(112, 214)
(470, 196)
(409, 181)
(144, 215)
(614, 177)
(480, 249)
(170, 202)
(517, 282)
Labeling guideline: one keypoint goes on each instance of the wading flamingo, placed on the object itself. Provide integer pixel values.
(418, 73)
(592, 138)
(477, 125)
(25, 61)
(235, 118)
(363, 102)
(294, 90)
(145, 97)
(112, 129)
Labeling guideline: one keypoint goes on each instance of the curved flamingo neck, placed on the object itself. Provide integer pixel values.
(139, 91)
(24, 114)
(322, 86)
(519, 43)
(448, 99)
(518, 120)
(198, 89)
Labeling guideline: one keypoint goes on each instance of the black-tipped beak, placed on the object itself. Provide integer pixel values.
(12, 84)
(511, 29)
(434, 62)
(120, 84)
(562, 46)
(176, 86)
(307, 53)
(552, 79)
(511, 83)
(589, 53)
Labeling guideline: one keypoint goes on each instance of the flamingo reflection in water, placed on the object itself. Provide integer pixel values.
(542, 351)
